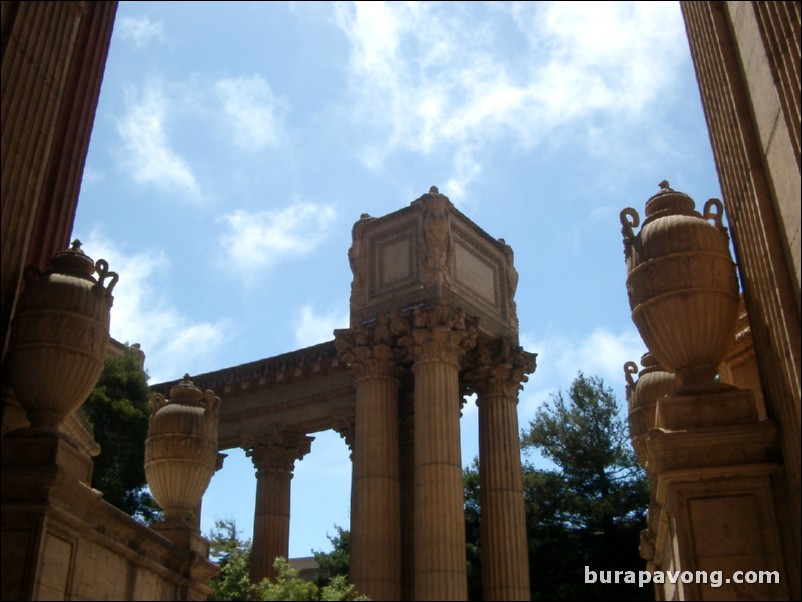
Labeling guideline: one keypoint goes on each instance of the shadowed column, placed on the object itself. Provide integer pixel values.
(375, 567)
(440, 339)
(274, 453)
(499, 370)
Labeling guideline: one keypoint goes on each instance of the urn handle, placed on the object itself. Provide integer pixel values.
(212, 403)
(627, 226)
(157, 402)
(102, 267)
(714, 210)
(630, 368)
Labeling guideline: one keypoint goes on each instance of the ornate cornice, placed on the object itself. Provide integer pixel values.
(282, 367)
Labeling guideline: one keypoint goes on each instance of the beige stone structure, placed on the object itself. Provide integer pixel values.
(724, 460)
(432, 319)
(714, 478)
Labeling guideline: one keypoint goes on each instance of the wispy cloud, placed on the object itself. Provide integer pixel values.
(600, 353)
(173, 343)
(147, 152)
(140, 30)
(252, 111)
(432, 79)
(312, 328)
(258, 240)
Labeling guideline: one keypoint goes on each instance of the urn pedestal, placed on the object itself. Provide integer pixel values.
(711, 461)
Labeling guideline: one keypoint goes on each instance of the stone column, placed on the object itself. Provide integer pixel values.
(500, 369)
(375, 567)
(440, 338)
(274, 453)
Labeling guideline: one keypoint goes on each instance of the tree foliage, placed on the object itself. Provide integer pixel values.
(334, 563)
(603, 484)
(118, 409)
(289, 586)
(233, 581)
(233, 555)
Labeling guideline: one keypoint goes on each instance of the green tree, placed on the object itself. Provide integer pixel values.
(233, 555)
(233, 581)
(337, 562)
(118, 409)
(590, 511)
(289, 586)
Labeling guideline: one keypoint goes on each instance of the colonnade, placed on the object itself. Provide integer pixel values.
(407, 514)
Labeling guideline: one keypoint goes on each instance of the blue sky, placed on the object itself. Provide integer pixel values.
(236, 143)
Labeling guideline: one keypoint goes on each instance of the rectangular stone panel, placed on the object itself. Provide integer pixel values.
(394, 259)
(475, 273)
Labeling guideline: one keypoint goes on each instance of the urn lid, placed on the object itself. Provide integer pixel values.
(73, 262)
(186, 393)
(669, 201)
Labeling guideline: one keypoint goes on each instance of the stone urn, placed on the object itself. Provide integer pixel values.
(59, 336)
(181, 449)
(682, 286)
(653, 383)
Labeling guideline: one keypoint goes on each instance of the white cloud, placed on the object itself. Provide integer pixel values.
(252, 111)
(173, 344)
(601, 353)
(431, 78)
(140, 30)
(257, 240)
(312, 328)
(146, 149)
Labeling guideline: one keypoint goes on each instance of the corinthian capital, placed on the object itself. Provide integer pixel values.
(371, 350)
(499, 368)
(440, 333)
(276, 448)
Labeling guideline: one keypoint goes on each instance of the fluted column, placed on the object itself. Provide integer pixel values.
(274, 453)
(439, 340)
(375, 564)
(499, 371)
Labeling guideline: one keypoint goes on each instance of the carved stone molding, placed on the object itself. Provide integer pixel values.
(440, 332)
(276, 448)
(345, 424)
(499, 368)
(372, 350)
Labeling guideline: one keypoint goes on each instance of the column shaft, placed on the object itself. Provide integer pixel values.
(440, 566)
(505, 564)
(271, 522)
(274, 452)
(376, 522)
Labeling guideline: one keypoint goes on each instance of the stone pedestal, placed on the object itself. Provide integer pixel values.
(497, 378)
(714, 498)
(274, 453)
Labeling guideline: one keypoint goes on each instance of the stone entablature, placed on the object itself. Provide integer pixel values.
(308, 388)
